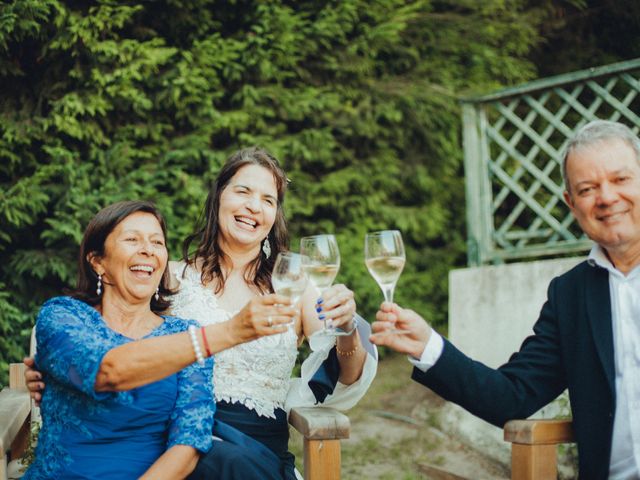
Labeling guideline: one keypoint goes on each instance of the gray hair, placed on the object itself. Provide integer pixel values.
(598, 131)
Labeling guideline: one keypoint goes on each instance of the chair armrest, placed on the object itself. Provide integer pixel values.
(538, 432)
(322, 429)
(320, 423)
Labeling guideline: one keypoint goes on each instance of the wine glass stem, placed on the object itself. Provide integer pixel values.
(325, 327)
(388, 293)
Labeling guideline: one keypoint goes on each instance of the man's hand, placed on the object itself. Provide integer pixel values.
(33, 378)
(400, 329)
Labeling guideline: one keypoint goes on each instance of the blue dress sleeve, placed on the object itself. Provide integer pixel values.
(192, 418)
(71, 344)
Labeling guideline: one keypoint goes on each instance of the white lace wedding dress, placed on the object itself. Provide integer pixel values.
(257, 374)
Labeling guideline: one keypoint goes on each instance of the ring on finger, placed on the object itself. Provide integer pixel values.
(270, 321)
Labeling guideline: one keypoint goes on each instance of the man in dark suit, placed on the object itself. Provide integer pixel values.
(587, 337)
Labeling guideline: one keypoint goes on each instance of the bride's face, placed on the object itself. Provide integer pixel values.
(248, 206)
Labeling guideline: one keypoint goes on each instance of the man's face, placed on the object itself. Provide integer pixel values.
(604, 194)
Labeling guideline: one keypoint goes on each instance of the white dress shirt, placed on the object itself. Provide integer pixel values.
(625, 314)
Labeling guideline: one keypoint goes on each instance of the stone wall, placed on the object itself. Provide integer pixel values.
(491, 311)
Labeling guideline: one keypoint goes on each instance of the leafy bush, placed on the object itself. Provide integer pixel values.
(105, 100)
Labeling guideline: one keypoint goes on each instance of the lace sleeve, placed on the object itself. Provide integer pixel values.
(192, 418)
(70, 347)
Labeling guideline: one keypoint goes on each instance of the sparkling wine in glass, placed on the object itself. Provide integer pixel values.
(384, 257)
(323, 258)
(289, 277)
(323, 263)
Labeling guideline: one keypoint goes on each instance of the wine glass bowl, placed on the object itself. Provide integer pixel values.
(384, 256)
(323, 259)
(323, 263)
(289, 277)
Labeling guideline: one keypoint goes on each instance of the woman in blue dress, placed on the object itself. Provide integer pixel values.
(129, 391)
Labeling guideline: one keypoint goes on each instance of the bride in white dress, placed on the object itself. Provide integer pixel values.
(241, 232)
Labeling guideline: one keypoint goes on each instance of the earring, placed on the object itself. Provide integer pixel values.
(266, 248)
(99, 289)
(157, 295)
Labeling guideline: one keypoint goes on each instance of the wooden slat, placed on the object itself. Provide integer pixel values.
(538, 432)
(588, 114)
(16, 376)
(531, 154)
(322, 429)
(477, 186)
(557, 248)
(550, 82)
(533, 204)
(530, 132)
(533, 462)
(15, 406)
(321, 459)
(318, 423)
(614, 102)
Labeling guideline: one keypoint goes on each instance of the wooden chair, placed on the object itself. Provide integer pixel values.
(534, 445)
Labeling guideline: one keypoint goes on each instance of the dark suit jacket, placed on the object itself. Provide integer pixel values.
(572, 347)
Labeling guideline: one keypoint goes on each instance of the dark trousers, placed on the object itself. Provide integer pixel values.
(253, 447)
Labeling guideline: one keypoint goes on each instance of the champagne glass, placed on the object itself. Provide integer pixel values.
(289, 277)
(323, 263)
(384, 257)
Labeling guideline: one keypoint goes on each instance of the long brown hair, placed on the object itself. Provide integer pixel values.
(209, 253)
(93, 240)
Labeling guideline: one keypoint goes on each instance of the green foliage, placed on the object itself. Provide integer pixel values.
(105, 100)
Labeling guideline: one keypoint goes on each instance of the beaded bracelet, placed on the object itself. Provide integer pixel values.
(346, 353)
(206, 343)
(196, 345)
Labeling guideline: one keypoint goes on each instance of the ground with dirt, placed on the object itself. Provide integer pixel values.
(396, 434)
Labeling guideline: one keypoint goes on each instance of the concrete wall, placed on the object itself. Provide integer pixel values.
(491, 311)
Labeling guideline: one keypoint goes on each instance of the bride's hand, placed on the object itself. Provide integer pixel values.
(338, 306)
(265, 315)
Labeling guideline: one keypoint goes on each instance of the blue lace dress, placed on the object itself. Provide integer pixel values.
(110, 435)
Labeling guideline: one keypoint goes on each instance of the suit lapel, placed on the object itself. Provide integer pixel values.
(598, 301)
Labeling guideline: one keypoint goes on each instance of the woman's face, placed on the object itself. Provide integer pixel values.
(135, 257)
(248, 206)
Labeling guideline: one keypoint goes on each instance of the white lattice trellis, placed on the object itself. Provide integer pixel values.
(513, 142)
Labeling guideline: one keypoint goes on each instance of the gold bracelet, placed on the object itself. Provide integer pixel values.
(346, 353)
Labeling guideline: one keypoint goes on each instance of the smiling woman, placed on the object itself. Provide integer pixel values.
(241, 232)
(248, 207)
(132, 271)
(121, 376)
